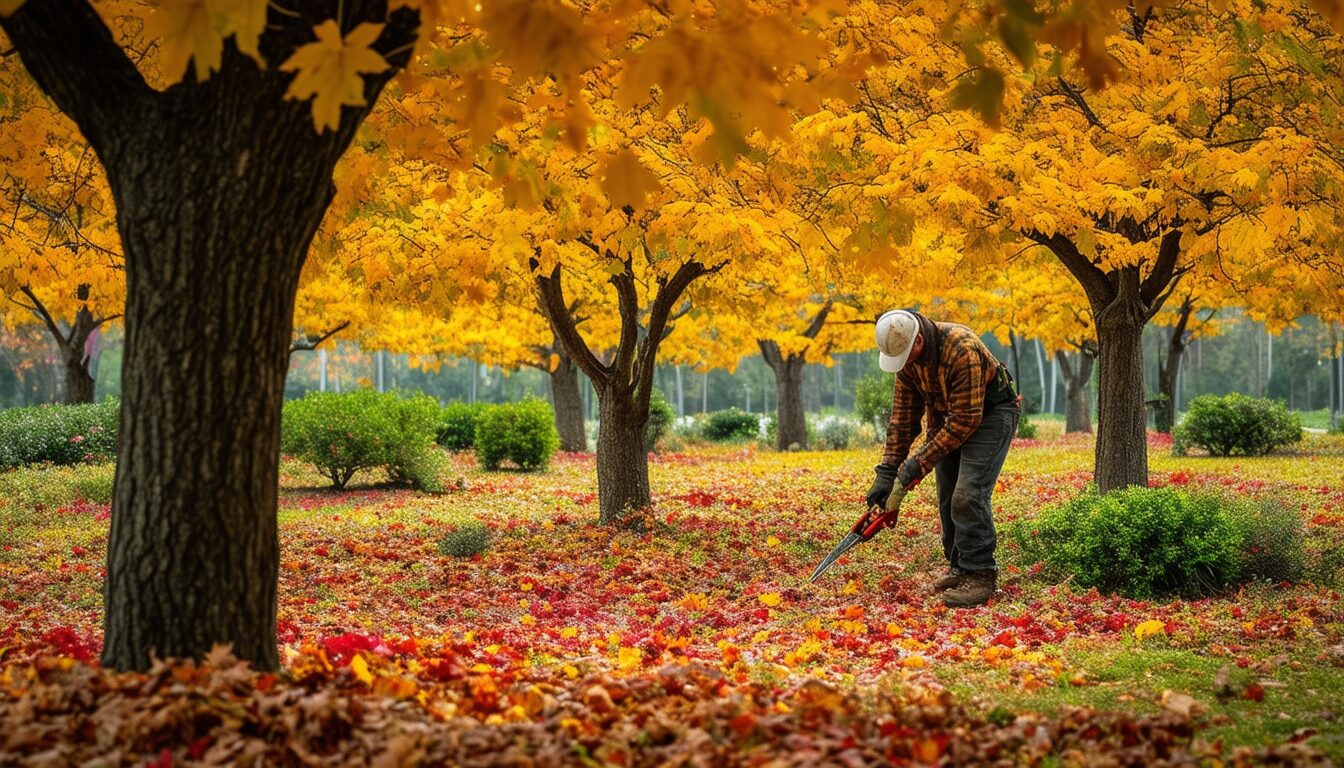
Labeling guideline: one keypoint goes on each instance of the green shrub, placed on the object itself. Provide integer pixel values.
(1140, 542)
(1273, 541)
(1025, 428)
(731, 424)
(523, 433)
(834, 432)
(59, 434)
(426, 471)
(872, 400)
(467, 540)
(661, 417)
(1237, 425)
(342, 434)
(457, 425)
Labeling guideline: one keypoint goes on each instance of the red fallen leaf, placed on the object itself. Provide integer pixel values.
(264, 683)
(743, 723)
(199, 746)
(1254, 692)
(1005, 638)
(164, 760)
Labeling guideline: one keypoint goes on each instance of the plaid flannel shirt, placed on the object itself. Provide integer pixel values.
(952, 396)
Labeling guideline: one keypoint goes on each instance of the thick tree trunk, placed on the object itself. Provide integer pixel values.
(568, 405)
(78, 381)
(622, 461)
(790, 420)
(1122, 445)
(1078, 409)
(219, 188)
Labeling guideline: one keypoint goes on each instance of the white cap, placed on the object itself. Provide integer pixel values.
(896, 331)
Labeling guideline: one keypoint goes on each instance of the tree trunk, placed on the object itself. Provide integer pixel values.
(1122, 446)
(78, 381)
(1078, 410)
(622, 459)
(790, 419)
(219, 188)
(1168, 368)
(568, 405)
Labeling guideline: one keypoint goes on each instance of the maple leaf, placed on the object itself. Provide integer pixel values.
(331, 70)
(186, 33)
(8, 7)
(1148, 629)
(626, 181)
(769, 599)
(245, 20)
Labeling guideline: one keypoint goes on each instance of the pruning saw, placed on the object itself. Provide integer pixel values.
(866, 528)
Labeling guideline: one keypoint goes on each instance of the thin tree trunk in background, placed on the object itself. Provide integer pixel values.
(1077, 409)
(1054, 384)
(1040, 373)
(564, 381)
(790, 418)
(681, 395)
(704, 392)
(1169, 366)
(322, 370)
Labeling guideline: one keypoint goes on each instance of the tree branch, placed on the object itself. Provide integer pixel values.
(1164, 272)
(40, 310)
(669, 292)
(551, 301)
(1095, 284)
(72, 55)
(311, 342)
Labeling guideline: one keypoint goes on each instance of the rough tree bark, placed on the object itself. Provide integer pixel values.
(219, 188)
(790, 418)
(1078, 408)
(72, 345)
(1122, 302)
(624, 384)
(1164, 411)
(568, 403)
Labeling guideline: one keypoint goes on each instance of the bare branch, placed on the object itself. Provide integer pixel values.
(311, 342)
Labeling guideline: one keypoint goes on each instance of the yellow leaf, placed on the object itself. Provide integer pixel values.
(330, 70)
(626, 181)
(570, 671)
(361, 670)
(1149, 628)
(245, 20)
(772, 541)
(629, 658)
(186, 33)
(569, 632)
(770, 599)
(9, 6)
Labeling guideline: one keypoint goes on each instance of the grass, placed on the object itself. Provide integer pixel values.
(1300, 693)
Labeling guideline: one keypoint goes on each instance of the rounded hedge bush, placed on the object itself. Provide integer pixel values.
(731, 424)
(523, 433)
(1153, 542)
(1235, 424)
(344, 433)
(59, 434)
(467, 540)
(660, 421)
(457, 425)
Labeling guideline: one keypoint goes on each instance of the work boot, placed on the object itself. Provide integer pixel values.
(950, 580)
(976, 588)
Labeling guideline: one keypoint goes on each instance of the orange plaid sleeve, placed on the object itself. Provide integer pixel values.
(907, 409)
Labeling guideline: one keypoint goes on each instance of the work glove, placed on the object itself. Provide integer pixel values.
(882, 485)
(909, 473)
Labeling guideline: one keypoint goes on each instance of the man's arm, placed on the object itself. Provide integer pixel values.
(966, 409)
(907, 409)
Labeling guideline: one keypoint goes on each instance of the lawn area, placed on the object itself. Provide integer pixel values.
(584, 644)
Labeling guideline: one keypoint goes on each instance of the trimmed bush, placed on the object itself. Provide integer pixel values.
(1273, 541)
(59, 434)
(523, 433)
(342, 434)
(661, 417)
(424, 471)
(834, 432)
(457, 425)
(872, 400)
(1235, 424)
(466, 540)
(731, 424)
(1154, 542)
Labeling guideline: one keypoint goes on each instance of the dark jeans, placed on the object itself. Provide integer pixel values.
(966, 479)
